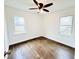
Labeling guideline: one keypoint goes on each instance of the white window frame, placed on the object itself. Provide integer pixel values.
(20, 27)
(64, 33)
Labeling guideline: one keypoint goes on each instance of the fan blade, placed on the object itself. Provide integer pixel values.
(32, 8)
(47, 5)
(35, 2)
(46, 10)
(40, 5)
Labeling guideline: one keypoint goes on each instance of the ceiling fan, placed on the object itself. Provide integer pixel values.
(41, 6)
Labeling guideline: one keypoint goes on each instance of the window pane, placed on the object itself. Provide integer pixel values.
(66, 30)
(18, 21)
(19, 29)
(66, 20)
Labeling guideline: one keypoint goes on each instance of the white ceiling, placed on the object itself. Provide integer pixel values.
(25, 4)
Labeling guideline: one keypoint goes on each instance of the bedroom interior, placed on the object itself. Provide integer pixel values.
(43, 35)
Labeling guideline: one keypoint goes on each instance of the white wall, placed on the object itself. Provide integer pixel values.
(52, 27)
(6, 45)
(38, 25)
(32, 25)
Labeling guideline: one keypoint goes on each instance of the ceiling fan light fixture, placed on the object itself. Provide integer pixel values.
(39, 11)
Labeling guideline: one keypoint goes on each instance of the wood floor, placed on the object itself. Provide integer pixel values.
(41, 48)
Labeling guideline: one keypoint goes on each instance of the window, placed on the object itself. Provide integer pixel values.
(19, 25)
(66, 25)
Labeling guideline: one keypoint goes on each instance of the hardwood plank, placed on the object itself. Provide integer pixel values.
(41, 48)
